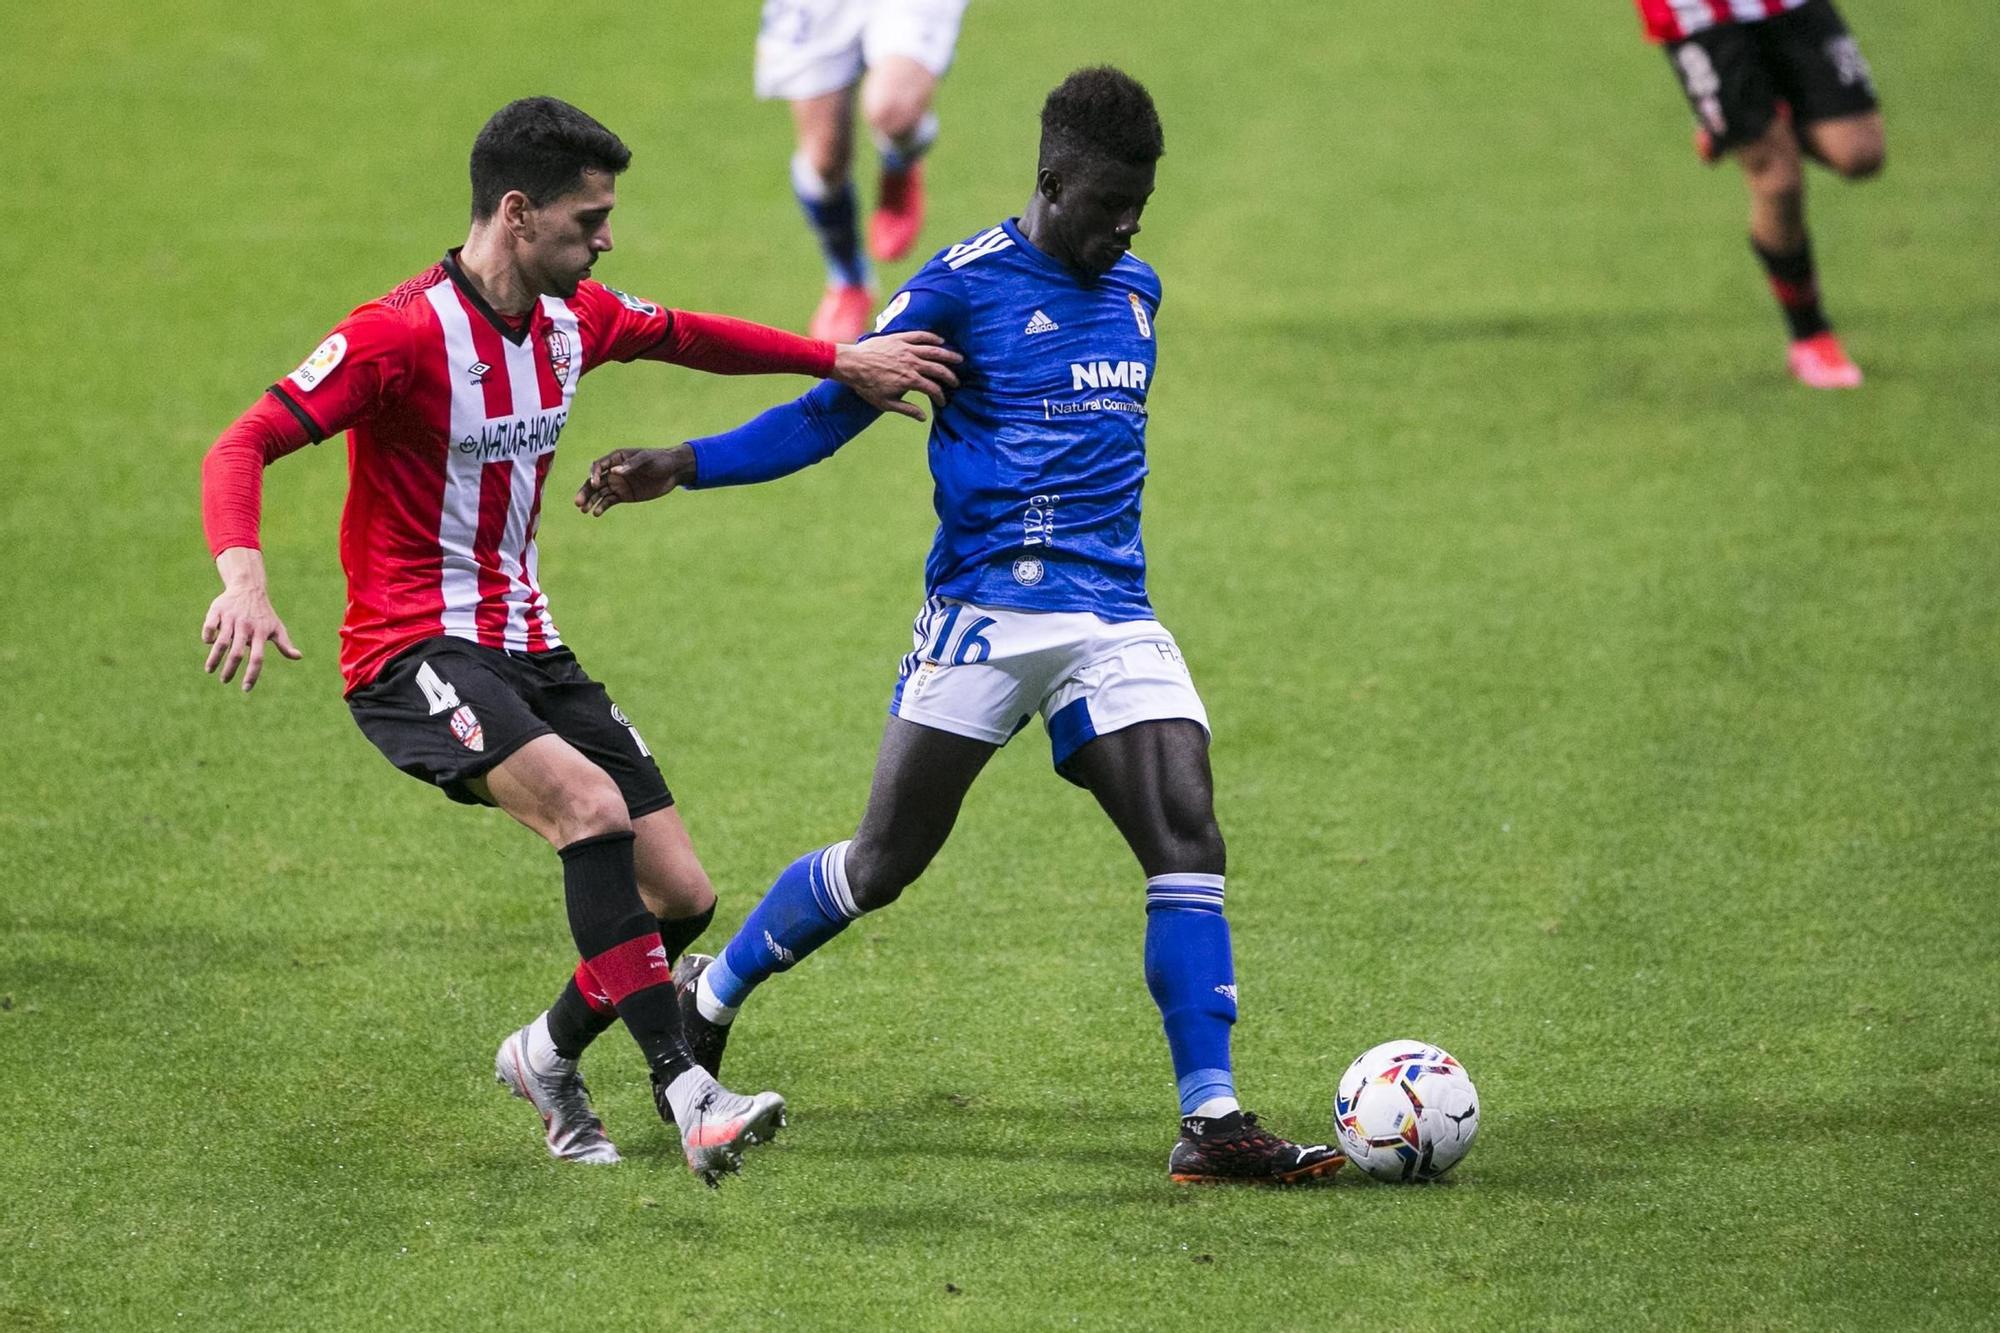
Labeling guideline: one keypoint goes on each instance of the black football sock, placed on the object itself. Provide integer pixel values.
(679, 932)
(575, 1020)
(620, 944)
(1796, 285)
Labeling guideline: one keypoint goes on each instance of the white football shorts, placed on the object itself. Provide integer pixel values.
(983, 671)
(809, 47)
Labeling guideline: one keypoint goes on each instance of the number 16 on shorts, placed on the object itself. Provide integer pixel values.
(943, 640)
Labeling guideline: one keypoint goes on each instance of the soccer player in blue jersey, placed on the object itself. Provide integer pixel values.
(1037, 603)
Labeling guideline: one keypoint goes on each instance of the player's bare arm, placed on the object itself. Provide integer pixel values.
(241, 620)
(627, 476)
(884, 370)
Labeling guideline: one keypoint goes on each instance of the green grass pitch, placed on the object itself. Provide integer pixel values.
(1588, 699)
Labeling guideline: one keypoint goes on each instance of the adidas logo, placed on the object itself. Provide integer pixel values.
(1041, 323)
(778, 951)
(1230, 991)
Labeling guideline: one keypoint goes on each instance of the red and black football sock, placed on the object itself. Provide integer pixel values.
(1796, 285)
(583, 1012)
(621, 947)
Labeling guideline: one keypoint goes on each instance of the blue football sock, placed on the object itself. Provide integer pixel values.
(831, 215)
(1193, 981)
(808, 906)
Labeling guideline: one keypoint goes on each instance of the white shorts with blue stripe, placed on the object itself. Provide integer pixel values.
(983, 672)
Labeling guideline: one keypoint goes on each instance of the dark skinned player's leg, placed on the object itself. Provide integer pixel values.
(1153, 780)
(921, 777)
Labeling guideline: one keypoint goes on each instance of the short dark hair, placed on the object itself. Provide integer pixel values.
(540, 146)
(1099, 113)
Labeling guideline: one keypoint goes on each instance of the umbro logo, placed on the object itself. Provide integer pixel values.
(657, 957)
(1041, 323)
(477, 370)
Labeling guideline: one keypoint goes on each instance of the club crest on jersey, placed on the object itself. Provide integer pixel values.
(1139, 314)
(320, 364)
(633, 303)
(465, 726)
(1028, 573)
(891, 310)
(561, 352)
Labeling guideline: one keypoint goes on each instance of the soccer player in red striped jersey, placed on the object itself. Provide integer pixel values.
(1772, 82)
(454, 389)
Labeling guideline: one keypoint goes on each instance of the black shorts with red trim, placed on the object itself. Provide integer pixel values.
(1735, 74)
(447, 711)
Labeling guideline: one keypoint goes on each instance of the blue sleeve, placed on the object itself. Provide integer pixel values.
(783, 440)
(809, 429)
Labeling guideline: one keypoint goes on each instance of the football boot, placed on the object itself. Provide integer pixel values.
(556, 1091)
(705, 1040)
(1235, 1149)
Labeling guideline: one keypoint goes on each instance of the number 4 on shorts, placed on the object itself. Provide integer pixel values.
(438, 692)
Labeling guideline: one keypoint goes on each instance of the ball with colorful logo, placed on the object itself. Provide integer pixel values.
(1405, 1111)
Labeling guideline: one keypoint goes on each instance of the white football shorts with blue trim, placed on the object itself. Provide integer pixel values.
(983, 672)
(807, 48)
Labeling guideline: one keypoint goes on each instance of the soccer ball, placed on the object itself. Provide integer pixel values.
(1405, 1111)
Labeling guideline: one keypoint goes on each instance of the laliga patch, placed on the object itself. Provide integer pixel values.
(1027, 573)
(890, 311)
(465, 726)
(321, 363)
(1139, 314)
(633, 303)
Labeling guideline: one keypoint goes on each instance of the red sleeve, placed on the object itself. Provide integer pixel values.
(232, 475)
(365, 361)
(724, 346)
(617, 326)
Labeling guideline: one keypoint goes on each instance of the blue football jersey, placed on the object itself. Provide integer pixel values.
(1040, 454)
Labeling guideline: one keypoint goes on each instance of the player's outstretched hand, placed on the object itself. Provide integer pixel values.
(241, 620)
(625, 476)
(882, 370)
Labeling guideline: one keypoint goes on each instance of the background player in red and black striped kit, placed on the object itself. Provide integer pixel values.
(454, 389)
(1771, 82)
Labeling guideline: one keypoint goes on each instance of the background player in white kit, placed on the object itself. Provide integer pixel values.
(813, 54)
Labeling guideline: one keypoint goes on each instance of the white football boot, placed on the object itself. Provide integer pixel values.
(527, 1066)
(716, 1125)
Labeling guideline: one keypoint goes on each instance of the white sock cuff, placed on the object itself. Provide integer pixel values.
(806, 181)
(833, 864)
(912, 145)
(1185, 879)
(705, 1001)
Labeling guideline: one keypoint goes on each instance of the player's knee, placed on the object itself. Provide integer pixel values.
(1859, 161)
(592, 808)
(893, 113)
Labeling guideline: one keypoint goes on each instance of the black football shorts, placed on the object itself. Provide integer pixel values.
(1735, 74)
(447, 710)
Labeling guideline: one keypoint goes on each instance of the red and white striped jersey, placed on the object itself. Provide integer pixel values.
(1673, 20)
(453, 415)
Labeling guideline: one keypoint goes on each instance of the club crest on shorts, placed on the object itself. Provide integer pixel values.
(465, 726)
(1028, 573)
(1139, 314)
(561, 351)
